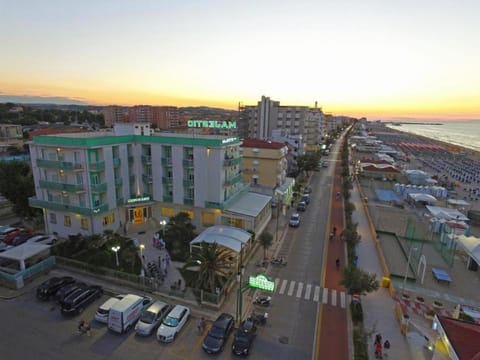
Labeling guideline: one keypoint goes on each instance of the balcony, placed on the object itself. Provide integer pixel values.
(120, 201)
(225, 204)
(147, 179)
(130, 159)
(167, 198)
(61, 186)
(167, 161)
(42, 204)
(146, 159)
(232, 161)
(188, 163)
(118, 182)
(167, 180)
(97, 166)
(188, 183)
(98, 188)
(233, 180)
(116, 162)
(55, 164)
(188, 201)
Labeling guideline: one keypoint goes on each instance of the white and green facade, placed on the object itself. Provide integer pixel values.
(91, 182)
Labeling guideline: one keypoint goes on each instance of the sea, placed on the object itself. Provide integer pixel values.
(461, 133)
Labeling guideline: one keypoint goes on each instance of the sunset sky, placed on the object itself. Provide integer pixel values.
(374, 58)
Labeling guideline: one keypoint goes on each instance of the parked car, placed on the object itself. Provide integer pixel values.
(125, 313)
(8, 234)
(173, 323)
(308, 190)
(101, 315)
(151, 318)
(242, 341)
(306, 198)
(65, 291)
(218, 334)
(42, 239)
(48, 288)
(294, 220)
(21, 238)
(77, 301)
(302, 206)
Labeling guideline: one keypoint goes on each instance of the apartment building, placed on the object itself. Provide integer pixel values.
(113, 114)
(91, 182)
(259, 121)
(165, 117)
(10, 135)
(140, 114)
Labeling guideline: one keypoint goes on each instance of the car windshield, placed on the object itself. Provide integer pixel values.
(217, 332)
(148, 317)
(295, 217)
(170, 321)
(241, 338)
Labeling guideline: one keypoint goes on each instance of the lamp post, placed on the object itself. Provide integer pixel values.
(115, 250)
(279, 204)
(412, 249)
(241, 289)
(142, 247)
(163, 223)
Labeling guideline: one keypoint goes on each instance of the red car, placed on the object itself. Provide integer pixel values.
(9, 234)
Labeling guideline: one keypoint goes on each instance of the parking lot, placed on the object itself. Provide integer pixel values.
(34, 329)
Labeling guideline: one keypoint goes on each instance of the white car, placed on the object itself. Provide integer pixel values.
(173, 323)
(42, 239)
(102, 313)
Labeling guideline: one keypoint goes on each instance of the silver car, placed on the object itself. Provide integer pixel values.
(151, 318)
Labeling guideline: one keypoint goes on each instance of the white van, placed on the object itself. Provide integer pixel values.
(125, 313)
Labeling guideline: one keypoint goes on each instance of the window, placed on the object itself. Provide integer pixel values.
(208, 218)
(53, 218)
(84, 223)
(67, 220)
(109, 219)
(167, 212)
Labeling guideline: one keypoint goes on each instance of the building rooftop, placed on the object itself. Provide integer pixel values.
(262, 144)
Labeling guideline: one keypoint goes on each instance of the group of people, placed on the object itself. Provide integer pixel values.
(379, 346)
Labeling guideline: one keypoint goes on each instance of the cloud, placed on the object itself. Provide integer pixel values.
(27, 99)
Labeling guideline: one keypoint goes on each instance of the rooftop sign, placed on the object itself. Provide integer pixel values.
(140, 199)
(261, 282)
(212, 124)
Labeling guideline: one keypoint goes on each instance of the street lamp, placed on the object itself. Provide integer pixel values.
(163, 223)
(115, 250)
(412, 249)
(142, 247)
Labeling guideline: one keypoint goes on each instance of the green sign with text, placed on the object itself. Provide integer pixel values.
(261, 282)
(212, 124)
(140, 199)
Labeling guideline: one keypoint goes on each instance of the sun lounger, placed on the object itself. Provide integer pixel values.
(441, 275)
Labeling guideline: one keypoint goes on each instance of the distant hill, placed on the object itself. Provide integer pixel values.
(31, 100)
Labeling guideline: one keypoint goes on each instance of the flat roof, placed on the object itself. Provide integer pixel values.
(249, 204)
(24, 251)
(227, 236)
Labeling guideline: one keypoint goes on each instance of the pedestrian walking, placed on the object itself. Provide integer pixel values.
(201, 325)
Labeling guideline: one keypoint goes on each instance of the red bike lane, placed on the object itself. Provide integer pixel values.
(332, 335)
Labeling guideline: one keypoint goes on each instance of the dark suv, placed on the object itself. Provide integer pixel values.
(51, 286)
(218, 334)
(64, 291)
(77, 301)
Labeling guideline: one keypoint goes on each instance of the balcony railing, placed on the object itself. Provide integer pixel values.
(232, 162)
(167, 161)
(233, 180)
(167, 180)
(120, 201)
(99, 187)
(188, 201)
(147, 179)
(225, 204)
(167, 198)
(97, 166)
(188, 182)
(34, 202)
(118, 182)
(146, 159)
(188, 163)
(61, 186)
(116, 162)
(55, 164)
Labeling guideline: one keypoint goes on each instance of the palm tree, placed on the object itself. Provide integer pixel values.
(265, 240)
(209, 266)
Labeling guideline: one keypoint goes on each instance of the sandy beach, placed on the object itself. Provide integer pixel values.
(455, 168)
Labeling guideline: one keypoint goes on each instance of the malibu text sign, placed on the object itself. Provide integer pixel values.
(212, 124)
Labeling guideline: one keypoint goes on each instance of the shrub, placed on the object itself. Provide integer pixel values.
(357, 312)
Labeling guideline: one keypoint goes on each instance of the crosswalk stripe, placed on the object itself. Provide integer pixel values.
(277, 280)
(334, 297)
(299, 289)
(342, 299)
(307, 291)
(316, 294)
(290, 289)
(325, 296)
(283, 287)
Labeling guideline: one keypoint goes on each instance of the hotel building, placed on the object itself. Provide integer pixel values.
(91, 182)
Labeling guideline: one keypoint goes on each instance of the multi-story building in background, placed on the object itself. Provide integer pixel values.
(165, 117)
(259, 121)
(140, 114)
(113, 114)
(296, 147)
(10, 135)
(91, 182)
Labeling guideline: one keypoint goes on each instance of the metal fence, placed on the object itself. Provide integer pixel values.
(17, 280)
